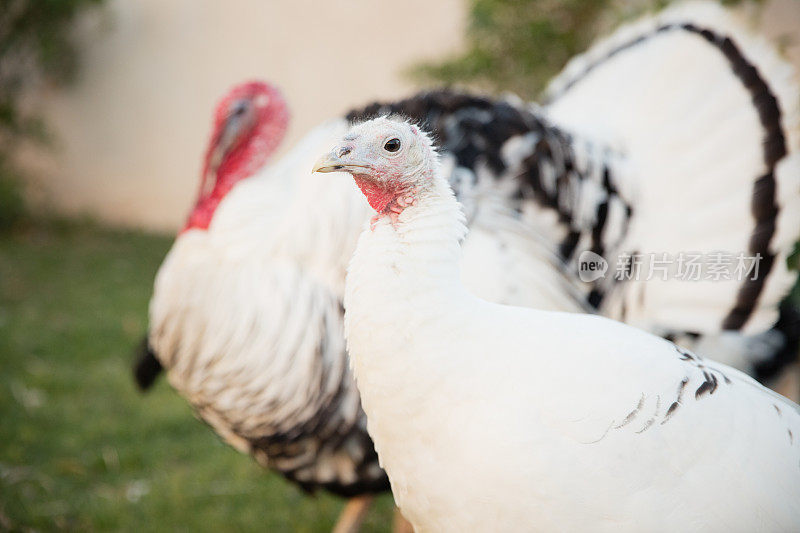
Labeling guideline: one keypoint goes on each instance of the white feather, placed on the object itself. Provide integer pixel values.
(496, 418)
(673, 103)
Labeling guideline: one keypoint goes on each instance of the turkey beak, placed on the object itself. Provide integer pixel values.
(339, 160)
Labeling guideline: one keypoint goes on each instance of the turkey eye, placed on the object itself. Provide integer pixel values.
(392, 145)
(239, 109)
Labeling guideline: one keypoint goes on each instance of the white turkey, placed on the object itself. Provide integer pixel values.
(496, 418)
(246, 314)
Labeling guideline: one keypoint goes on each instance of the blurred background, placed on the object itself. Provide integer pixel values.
(105, 109)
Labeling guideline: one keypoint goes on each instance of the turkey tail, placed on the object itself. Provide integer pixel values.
(708, 117)
(146, 367)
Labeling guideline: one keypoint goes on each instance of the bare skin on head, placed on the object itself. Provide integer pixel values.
(249, 124)
(384, 158)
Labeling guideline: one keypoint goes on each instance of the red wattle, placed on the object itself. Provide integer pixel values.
(379, 196)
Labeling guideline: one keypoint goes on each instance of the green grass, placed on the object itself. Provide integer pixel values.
(80, 448)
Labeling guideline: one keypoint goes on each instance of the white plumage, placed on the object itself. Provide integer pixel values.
(496, 418)
(250, 328)
(246, 314)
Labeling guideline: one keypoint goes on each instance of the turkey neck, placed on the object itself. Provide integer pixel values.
(402, 279)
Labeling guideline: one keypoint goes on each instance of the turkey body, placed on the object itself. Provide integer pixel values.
(496, 418)
(247, 317)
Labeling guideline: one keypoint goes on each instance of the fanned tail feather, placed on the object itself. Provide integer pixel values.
(708, 117)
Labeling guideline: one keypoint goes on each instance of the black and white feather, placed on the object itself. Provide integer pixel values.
(710, 125)
(662, 140)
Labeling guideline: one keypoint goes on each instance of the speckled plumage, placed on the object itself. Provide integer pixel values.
(247, 317)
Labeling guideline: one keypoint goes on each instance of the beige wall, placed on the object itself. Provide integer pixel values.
(131, 131)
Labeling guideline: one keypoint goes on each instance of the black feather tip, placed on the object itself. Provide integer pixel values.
(146, 367)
